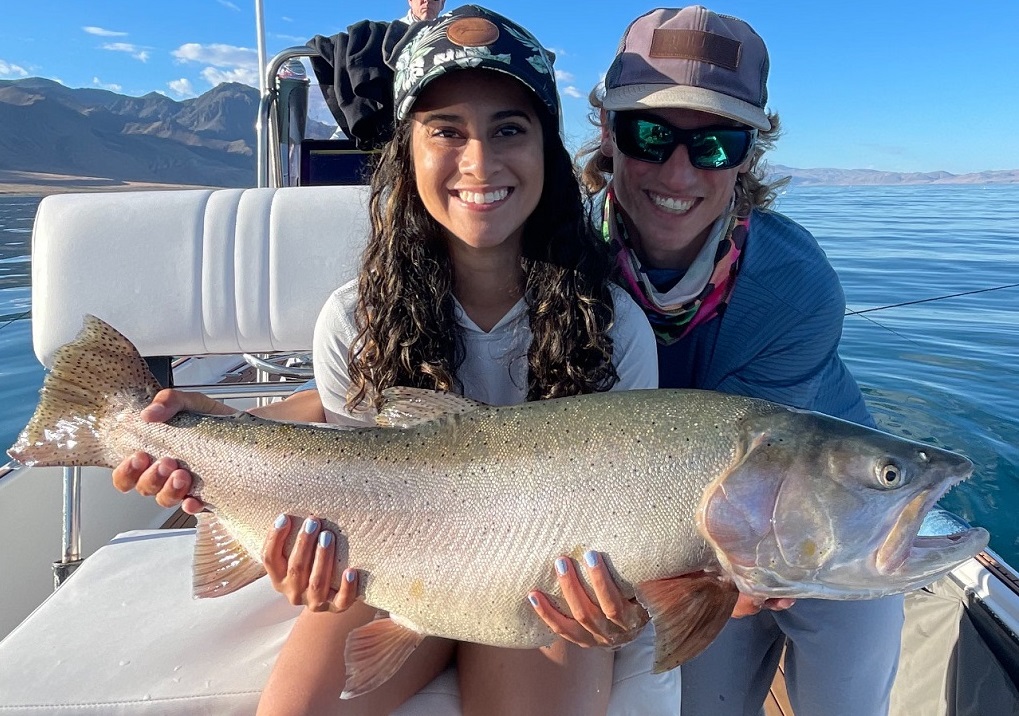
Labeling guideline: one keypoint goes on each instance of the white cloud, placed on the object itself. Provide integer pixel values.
(229, 5)
(133, 50)
(106, 85)
(215, 76)
(225, 63)
(182, 88)
(92, 30)
(571, 91)
(9, 70)
(563, 76)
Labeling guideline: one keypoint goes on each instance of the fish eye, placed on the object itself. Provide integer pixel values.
(889, 475)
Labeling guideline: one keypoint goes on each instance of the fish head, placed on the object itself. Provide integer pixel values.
(820, 507)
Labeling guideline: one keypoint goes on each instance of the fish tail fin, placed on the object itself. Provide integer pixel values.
(94, 378)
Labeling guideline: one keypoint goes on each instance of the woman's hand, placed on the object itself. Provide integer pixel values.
(306, 577)
(612, 621)
(164, 478)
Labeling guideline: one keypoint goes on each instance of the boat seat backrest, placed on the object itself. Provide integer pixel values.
(191, 272)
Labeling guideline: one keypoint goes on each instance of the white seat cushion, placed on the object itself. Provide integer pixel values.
(189, 272)
(124, 636)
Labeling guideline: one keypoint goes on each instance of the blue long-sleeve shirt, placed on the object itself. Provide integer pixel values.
(778, 337)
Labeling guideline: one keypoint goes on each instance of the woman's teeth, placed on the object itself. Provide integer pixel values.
(490, 197)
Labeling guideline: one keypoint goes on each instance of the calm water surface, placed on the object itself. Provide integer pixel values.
(944, 372)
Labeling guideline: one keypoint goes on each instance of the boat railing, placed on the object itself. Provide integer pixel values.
(280, 95)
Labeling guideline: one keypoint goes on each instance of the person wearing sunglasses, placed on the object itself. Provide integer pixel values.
(742, 300)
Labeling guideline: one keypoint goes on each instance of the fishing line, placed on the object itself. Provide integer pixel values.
(16, 318)
(850, 312)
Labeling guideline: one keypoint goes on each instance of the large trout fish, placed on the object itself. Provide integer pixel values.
(454, 510)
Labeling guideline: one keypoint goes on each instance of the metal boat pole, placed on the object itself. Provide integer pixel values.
(261, 152)
(71, 533)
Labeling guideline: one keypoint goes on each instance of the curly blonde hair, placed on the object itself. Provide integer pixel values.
(752, 191)
(407, 332)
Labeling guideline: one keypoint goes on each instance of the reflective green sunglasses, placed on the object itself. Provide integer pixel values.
(650, 139)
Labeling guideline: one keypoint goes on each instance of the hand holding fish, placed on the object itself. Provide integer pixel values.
(163, 478)
(610, 621)
(747, 606)
(306, 575)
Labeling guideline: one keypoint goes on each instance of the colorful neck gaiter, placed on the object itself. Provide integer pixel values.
(674, 321)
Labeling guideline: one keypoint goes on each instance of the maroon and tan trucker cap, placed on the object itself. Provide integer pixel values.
(691, 58)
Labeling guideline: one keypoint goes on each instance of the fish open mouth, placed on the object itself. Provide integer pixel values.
(926, 541)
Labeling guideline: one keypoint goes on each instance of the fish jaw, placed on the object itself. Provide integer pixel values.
(821, 508)
(915, 560)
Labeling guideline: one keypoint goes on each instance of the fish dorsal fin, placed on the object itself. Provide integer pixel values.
(222, 564)
(376, 651)
(406, 407)
(688, 612)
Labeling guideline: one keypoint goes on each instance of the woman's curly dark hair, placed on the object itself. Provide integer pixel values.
(752, 191)
(407, 333)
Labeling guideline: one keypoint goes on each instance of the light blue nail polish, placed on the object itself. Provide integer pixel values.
(532, 599)
(560, 565)
(310, 525)
(591, 557)
(350, 575)
(280, 522)
(325, 539)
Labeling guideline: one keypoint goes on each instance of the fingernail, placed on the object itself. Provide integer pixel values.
(280, 522)
(325, 539)
(137, 463)
(179, 482)
(310, 525)
(532, 599)
(164, 470)
(350, 574)
(591, 557)
(560, 566)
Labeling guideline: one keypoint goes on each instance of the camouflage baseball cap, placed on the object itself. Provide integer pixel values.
(470, 37)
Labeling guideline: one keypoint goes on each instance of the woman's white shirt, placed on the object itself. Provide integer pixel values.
(494, 370)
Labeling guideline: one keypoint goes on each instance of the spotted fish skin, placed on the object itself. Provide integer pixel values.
(454, 511)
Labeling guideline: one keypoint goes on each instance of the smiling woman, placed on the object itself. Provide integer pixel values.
(481, 277)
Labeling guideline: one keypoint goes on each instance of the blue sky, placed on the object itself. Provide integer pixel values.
(899, 85)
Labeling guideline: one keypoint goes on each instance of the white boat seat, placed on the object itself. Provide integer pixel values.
(193, 272)
(124, 636)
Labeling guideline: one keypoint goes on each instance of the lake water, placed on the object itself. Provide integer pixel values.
(944, 372)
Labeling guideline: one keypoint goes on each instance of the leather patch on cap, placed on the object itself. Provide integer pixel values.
(696, 45)
(472, 32)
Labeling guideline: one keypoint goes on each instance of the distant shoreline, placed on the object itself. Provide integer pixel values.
(18, 183)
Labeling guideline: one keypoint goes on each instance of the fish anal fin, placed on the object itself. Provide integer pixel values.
(376, 651)
(222, 564)
(406, 407)
(688, 613)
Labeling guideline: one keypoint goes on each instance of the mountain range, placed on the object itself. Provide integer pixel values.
(53, 130)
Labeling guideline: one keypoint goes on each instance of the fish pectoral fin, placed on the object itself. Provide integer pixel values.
(374, 652)
(688, 612)
(222, 564)
(404, 407)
